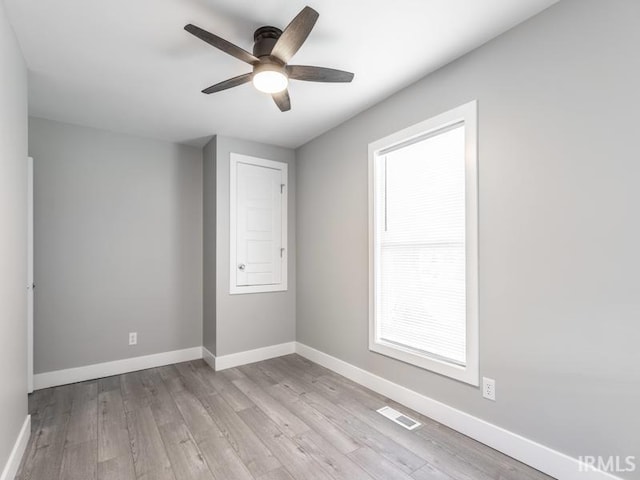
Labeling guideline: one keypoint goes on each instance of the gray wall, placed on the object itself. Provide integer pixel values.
(13, 239)
(118, 245)
(249, 321)
(209, 246)
(559, 171)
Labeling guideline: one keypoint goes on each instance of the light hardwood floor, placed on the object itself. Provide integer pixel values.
(281, 419)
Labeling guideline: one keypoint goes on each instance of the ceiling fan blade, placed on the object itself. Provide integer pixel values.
(295, 34)
(282, 100)
(230, 83)
(318, 74)
(221, 44)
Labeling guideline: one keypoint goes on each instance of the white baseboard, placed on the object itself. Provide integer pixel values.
(117, 367)
(250, 356)
(545, 459)
(13, 462)
(540, 457)
(209, 357)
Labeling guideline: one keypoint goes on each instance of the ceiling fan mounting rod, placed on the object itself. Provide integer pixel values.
(265, 39)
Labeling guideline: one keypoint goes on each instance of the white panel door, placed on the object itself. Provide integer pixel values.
(259, 240)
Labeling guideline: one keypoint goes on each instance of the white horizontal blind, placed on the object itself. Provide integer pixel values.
(420, 246)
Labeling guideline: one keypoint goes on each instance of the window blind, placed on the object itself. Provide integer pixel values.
(420, 246)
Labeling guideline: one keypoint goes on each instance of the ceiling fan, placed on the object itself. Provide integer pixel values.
(272, 50)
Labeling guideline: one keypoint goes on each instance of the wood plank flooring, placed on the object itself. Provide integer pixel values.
(281, 419)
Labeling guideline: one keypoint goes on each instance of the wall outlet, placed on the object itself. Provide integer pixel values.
(489, 388)
(133, 338)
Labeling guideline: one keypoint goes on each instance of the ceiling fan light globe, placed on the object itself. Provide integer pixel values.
(270, 81)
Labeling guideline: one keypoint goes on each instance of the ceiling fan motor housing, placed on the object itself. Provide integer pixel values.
(265, 39)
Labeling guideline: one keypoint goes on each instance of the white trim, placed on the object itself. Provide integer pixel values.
(538, 456)
(30, 280)
(13, 462)
(251, 356)
(245, 289)
(234, 159)
(117, 367)
(468, 113)
(209, 357)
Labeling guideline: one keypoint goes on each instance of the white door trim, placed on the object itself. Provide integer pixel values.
(30, 279)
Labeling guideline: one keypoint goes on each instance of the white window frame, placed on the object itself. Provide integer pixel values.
(234, 160)
(469, 373)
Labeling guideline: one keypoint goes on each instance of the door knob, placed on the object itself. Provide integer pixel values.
(242, 266)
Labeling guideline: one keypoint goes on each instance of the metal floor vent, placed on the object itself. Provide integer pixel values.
(400, 418)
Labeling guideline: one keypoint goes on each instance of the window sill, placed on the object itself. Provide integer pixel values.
(466, 374)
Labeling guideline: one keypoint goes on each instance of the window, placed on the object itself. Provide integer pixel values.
(258, 225)
(423, 245)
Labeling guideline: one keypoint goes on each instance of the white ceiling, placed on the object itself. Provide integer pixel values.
(128, 66)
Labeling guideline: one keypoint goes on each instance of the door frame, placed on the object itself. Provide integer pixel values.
(30, 279)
